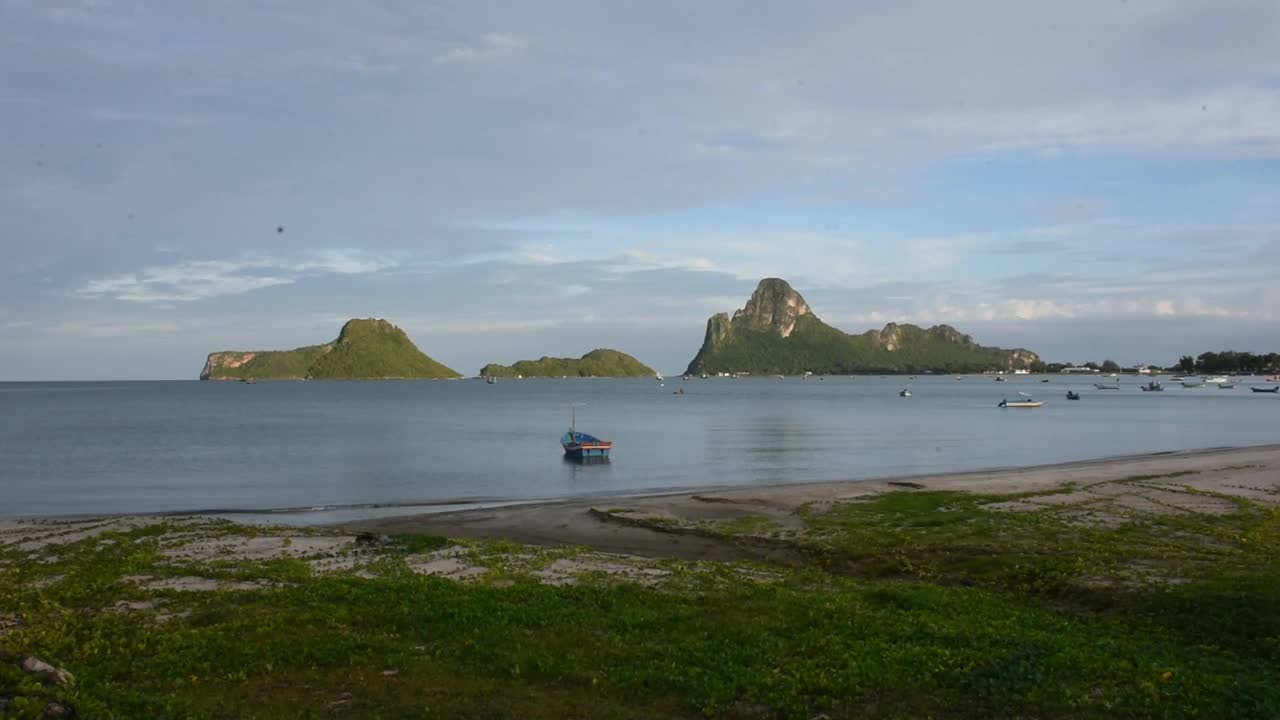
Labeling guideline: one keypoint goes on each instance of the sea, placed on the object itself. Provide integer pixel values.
(314, 452)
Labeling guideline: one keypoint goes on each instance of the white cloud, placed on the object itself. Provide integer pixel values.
(486, 49)
(193, 280)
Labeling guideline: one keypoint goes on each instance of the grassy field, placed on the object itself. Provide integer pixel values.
(913, 604)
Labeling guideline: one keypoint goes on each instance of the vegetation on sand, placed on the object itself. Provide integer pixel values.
(911, 604)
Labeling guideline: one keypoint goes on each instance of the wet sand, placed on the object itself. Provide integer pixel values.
(1163, 482)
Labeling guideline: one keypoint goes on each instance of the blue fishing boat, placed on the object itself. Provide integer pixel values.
(583, 447)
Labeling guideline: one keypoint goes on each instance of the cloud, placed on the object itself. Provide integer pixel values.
(488, 48)
(194, 280)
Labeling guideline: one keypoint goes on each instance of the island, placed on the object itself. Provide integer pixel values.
(777, 333)
(366, 349)
(601, 362)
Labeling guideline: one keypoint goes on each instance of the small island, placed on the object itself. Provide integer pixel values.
(368, 349)
(776, 332)
(601, 362)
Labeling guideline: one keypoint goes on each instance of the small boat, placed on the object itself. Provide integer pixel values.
(1193, 383)
(1272, 378)
(1217, 379)
(905, 392)
(1227, 385)
(658, 377)
(1265, 389)
(1020, 404)
(1152, 386)
(491, 380)
(1073, 395)
(1107, 386)
(1025, 402)
(1044, 379)
(582, 447)
(999, 378)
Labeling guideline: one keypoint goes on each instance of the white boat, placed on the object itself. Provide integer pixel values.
(1196, 383)
(905, 392)
(658, 377)
(1217, 379)
(1024, 402)
(1105, 386)
(1228, 385)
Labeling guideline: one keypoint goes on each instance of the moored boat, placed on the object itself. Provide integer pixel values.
(1108, 386)
(1275, 388)
(1193, 383)
(1025, 402)
(905, 392)
(1073, 395)
(582, 447)
(1152, 386)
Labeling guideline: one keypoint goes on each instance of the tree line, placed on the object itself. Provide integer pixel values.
(1229, 361)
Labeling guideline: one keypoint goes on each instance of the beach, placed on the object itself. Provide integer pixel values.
(1127, 587)
(657, 525)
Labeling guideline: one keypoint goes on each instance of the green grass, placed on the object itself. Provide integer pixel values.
(601, 362)
(913, 604)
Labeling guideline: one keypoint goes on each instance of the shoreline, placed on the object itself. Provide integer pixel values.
(450, 507)
(642, 524)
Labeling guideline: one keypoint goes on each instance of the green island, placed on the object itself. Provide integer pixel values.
(601, 362)
(776, 332)
(369, 349)
(1147, 595)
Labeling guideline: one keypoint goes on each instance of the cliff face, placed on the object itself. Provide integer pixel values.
(777, 332)
(773, 307)
(369, 349)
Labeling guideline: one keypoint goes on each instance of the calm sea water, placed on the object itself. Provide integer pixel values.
(71, 448)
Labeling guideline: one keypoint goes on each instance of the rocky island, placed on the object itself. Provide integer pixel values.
(369, 349)
(777, 333)
(601, 362)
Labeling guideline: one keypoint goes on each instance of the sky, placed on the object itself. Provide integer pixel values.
(509, 180)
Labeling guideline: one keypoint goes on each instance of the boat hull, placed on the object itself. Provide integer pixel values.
(1266, 389)
(581, 447)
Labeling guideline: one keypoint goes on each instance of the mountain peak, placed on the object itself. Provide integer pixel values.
(774, 306)
(777, 333)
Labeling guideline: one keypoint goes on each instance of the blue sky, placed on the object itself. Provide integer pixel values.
(508, 180)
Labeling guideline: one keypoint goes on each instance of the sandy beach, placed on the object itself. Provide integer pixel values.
(658, 526)
(1124, 574)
